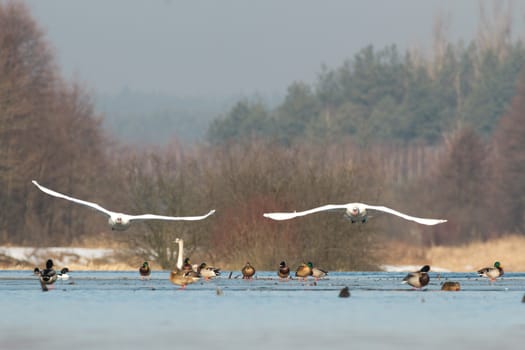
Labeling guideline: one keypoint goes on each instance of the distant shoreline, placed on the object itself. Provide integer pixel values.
(398, 257)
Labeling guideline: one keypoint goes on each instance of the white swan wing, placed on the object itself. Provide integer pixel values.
(171, 218)
(291, 215)
(79, 201)
(423, 221)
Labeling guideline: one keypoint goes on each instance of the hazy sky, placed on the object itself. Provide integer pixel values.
(225, 47)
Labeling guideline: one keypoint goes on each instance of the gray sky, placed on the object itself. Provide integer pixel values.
(196, 48)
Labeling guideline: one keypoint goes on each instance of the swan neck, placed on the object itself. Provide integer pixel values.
(181, 252)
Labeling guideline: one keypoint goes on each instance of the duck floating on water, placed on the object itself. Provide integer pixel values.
(451, 286)
(63, 274)
(344, 293)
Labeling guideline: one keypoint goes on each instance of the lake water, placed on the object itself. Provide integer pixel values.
(117, 310)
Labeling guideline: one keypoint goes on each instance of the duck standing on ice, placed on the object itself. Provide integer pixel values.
(418, 279)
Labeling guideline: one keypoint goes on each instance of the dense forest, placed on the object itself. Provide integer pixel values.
(440, 136)
(390, 97)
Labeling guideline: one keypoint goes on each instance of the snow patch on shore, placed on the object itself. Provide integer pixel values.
(60, 255)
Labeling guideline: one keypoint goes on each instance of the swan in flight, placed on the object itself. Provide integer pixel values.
(355, 212)
(119, 221)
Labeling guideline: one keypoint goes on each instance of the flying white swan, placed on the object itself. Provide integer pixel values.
(355, 212)
(119, 221)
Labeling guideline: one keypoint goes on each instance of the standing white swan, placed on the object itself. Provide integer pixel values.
(355, 212)
(119, 221)
(178, 276)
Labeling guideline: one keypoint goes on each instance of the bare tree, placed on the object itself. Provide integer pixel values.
(508, 165)
(48, 131)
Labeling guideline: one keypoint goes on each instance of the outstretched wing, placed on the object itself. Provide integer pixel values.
(63, 196)
(286, 216)
(423, 221)
(172, 218)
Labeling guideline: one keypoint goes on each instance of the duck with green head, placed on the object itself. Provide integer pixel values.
(187, 265)
(179, 275)
(206, 271)
(418, 279)
(145, 270)
(304, 270)
(492, 272)
(317, 272)
(48, 275)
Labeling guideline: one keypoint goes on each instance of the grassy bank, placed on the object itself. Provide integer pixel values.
(509, 250)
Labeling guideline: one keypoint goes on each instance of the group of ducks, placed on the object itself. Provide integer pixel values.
(188, 273)
(420, 279)
(302, 272)
(48, 276)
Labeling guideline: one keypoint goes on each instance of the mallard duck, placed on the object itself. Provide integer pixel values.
(63, 274)
(48, 275)
(492, 272)
(187, 266)
(418, 279)
(248, 271)
(284, 270)
(304, 270)
(356, 212)
(119, 221)
(36, 271)
(179, 276)
(317, 272)
(451, 286)
(182, 278)
(208, 271)
(191, 269)
(145, 270)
